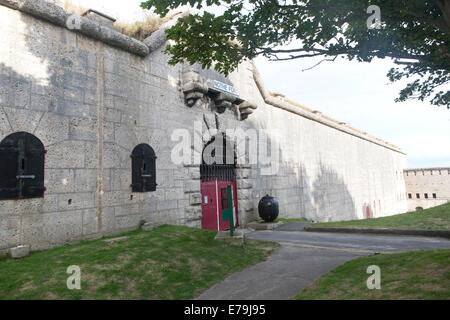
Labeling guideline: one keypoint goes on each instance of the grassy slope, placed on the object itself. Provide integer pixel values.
(166, 263)
(410, 275)
(433, 218)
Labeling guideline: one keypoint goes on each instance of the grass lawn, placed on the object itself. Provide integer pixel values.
(169, 262)
(411, 275)
(434, 218)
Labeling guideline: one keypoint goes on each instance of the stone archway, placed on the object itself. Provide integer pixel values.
(211, 127)
(218, 185)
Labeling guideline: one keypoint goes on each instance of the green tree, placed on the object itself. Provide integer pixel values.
(414, 33)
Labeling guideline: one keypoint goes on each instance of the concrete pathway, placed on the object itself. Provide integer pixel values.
(304, 257)
(293, 226)
(365, 243)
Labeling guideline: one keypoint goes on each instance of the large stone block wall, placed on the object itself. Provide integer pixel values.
(91, 104)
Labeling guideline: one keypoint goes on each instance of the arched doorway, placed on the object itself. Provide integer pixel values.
(218, 185)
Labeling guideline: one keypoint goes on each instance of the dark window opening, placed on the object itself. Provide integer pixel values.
(22, 158)
(417, 195)
(143, 169)
(426, 195)
(434, 195)
(409, 196)
(224, 197)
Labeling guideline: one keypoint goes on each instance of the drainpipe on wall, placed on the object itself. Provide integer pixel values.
(107, 22)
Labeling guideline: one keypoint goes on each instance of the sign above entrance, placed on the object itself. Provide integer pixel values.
(224, 87)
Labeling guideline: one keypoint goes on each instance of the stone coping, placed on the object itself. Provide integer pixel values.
(407, 232)
(426, 169)
(55, 14)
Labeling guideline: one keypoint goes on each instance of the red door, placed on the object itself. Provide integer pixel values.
(368, 212)
(209, 205)
(214, 200)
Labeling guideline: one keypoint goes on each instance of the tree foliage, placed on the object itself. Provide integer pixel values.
(414, 33)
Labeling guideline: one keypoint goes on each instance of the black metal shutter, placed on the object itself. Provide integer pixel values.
(9, 188)
(22, 157)
(143, 169)
(149, 170)
(136, 163)
(34, 167)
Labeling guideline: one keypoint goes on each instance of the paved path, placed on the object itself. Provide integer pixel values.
(366, 243)
(293, 226)
(304, 257)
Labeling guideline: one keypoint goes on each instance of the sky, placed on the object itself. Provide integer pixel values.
(353, 92)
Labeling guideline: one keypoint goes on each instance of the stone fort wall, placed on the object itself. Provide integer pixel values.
(426, 188)
(92, 95)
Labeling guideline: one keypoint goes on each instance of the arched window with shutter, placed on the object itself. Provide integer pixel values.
(22, 157)
(143, 166)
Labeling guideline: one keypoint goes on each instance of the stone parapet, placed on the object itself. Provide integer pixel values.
(50, 12)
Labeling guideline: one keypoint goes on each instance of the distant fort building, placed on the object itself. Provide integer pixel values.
(427, 187)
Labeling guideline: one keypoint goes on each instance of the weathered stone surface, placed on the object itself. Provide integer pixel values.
(244, 184)
(237, 239)
(112, 240)
(55, 14)
(20, 252)
(226, 96)
(263, 225)
(194, 86)
(195, 199)
(194, 95)
(193, 213)
(158, 38)
(149, 226)
(248, 105)
(191, 186)
(223, 104)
